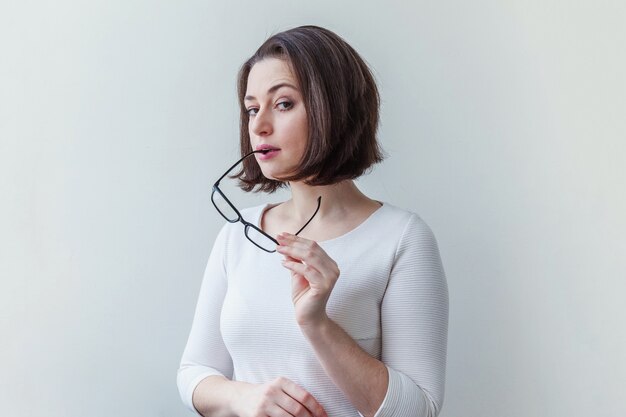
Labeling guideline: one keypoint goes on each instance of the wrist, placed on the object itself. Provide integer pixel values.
(316, 327)
(219, 395)
(236, 392)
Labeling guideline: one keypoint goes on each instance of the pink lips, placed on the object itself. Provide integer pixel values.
(263, 156)
(268, 155)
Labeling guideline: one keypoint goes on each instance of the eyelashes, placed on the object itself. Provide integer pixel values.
(289, 105)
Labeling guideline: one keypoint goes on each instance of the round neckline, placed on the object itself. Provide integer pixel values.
(368, 219)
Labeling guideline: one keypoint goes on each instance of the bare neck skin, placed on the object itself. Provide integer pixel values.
(338, 201)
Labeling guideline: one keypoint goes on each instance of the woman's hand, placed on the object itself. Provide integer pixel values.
(313, 274)
(278, 398)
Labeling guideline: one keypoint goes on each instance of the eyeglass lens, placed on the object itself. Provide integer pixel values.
(223, 207)
(260, 239)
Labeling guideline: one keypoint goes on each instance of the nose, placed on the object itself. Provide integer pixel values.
(261, 123)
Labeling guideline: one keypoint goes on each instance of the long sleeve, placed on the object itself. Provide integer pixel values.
(205, 353)
(414, 321)
(394, 304)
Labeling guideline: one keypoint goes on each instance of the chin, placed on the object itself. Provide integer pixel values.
(270, 176)
(274, 174)
(274, 178)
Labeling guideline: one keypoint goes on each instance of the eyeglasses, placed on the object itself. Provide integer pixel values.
(231, 214)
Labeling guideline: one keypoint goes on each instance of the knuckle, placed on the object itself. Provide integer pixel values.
(306, 396)
(269, 390)
(299, 410)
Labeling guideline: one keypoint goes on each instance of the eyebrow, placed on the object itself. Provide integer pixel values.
(271, 90)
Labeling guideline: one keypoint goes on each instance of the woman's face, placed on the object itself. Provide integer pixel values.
(277, 117)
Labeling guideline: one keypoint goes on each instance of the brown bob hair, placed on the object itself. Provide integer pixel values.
(341, 101)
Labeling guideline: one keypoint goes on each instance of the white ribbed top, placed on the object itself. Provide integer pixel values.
(391, 297)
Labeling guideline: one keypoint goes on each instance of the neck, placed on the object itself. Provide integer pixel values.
(338, 200)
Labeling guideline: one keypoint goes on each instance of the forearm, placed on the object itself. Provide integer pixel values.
(216, 396)
(362, 378)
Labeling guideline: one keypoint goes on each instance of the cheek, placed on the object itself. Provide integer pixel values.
(303, 127)
(296, 131)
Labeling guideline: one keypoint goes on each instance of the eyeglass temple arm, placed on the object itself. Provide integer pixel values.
(237, 163)
(319, 199)
(319, 203)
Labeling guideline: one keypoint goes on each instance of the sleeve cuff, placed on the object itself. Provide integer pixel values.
(187, 396)
(403, 398)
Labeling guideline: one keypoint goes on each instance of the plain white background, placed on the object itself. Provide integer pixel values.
(504, 122)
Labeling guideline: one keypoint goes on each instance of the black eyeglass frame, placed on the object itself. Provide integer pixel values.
(240, 218)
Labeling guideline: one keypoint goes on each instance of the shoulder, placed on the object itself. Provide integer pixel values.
(410, 230)
(403, 220)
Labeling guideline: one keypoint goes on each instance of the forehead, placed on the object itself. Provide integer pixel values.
(268, 72)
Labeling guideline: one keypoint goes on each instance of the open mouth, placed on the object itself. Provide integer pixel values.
(267, 153)
(266, 150)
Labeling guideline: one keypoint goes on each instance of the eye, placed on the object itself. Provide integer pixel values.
(288, 105)
(251, 110)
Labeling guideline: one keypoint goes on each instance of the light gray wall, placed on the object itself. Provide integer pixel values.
(505, 125)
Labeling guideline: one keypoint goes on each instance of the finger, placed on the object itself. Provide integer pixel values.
(312, 275)
(290, 236)
(289, 258)
(306, 252)
(276, 410)
(303, 397)
(317, 272)
(309, 252)
(291, 406)
(293, 240)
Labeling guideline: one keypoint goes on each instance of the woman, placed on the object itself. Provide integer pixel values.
(346, 317)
